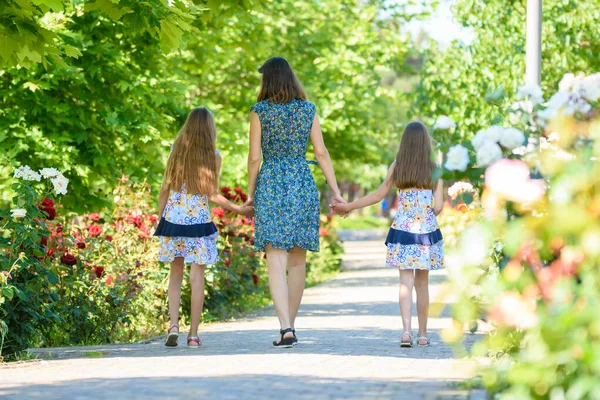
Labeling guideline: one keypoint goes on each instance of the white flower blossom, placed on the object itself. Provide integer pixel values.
(457, 158)
(459, 188)
(488, 153)
(26, 173)
(566, 83)
(18, 212)
(491, 134)
(531, 92)
(50, 172)
(444, 122)
(60, 184)
(512, 138)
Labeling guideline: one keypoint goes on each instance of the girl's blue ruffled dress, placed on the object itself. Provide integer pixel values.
(414, 240)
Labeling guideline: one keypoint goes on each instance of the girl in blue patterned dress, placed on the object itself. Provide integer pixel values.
(186, 231)
(284, 193)
(414, 242)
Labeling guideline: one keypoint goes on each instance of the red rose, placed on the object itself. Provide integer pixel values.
(98, 271)
(323, 231)
(94, 217)
(68, 259)
(47, 202)
(251, 241)
(80, 245)
(218, 212)
(50, 252)
(227, 262)
(109, 279)
(238, 190)
(135, 220)
(95, 230)
(109, 238)
(255, 279)
(48, 210)
(153, 219)
(138, 264)
(44, 241)
(244, 197)
(225, 190)
(230, 234)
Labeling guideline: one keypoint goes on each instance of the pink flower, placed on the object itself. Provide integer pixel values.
(323, 231)
(94, 217)
(110, 279)
(510, 180)
(514, 310)
(95, 230)
(218, 212)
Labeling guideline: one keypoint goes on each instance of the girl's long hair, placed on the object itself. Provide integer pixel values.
(192, 160)
(279, 83)
(414, 166)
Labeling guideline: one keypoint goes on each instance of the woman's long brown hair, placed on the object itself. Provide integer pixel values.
(192, 160)
(279, 83)
(414, 166)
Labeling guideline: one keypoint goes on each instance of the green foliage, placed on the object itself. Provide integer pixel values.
(472, 83)
(109, 83)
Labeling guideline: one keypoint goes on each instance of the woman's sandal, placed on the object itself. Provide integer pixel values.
(194, 341)
(404, 343)
(295, 337)
(172, 337)
(284, 342)
(423, 338)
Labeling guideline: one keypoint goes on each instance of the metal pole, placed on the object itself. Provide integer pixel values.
(534, 42)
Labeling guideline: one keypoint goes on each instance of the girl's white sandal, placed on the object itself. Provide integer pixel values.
(421, 338)
(172, 336)
(404, 343)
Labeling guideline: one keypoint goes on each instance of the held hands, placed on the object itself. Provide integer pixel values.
(339, 205)
(248, 208)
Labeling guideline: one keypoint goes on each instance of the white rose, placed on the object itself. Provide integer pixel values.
(531, 92)
(18, 212)
(559, 100)
(444, 122)
(26, 173)
(50, 172)
(457, 158)
(512, 138)
(488, 153)
(566, 83)
(479, 139)
(458, 188)
(494, 133)
(591, 87)
(60, 184)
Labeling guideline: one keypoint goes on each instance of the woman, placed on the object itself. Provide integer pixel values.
(284, 194)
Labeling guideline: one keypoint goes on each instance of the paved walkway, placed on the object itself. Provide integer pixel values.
(348, 330)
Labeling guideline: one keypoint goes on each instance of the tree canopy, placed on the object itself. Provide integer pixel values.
(99, 89)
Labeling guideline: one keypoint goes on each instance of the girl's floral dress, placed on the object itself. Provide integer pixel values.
(186, 229)
(286, 203)
(414, 240)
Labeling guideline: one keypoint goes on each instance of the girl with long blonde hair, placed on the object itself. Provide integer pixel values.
(186, 231)
(414, 242)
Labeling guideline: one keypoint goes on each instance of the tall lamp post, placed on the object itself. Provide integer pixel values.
(533, 57)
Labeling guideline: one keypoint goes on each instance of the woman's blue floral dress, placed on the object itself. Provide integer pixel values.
(286, 203)
(414, 240)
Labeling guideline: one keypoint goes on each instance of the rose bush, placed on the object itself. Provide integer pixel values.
(68, 279)
(531, 267)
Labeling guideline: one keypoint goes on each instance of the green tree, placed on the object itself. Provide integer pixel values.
(455, 82)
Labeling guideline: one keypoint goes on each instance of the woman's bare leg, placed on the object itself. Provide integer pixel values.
(296, 281)
(276, 263)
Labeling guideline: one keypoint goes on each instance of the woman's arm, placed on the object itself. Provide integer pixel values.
(162, 202)
(219, 199)
(438, 198)
(254, 155)
(316, 137)
(369, 199)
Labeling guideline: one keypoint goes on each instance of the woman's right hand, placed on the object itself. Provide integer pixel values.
(249, 202)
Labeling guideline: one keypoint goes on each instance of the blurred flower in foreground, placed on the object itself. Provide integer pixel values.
(510, 180)
(514, 310)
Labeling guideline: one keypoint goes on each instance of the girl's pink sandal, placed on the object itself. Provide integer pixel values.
(172, 336)
(194, 341)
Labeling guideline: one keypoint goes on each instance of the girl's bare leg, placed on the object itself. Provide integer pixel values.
(175, 280)
(422, 289)
(197, 284)
(407, 280)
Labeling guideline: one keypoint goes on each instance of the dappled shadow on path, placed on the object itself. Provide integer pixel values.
(264, 386)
